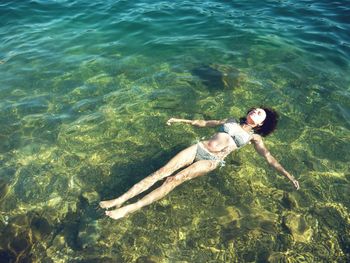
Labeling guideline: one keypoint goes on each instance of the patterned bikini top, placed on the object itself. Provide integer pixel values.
(238, 134)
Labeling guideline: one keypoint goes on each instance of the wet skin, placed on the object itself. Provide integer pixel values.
(221, 144)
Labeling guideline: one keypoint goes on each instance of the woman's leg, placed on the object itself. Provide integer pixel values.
(197, 169)
(182, 159)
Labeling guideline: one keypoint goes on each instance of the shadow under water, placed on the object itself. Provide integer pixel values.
(210, 77)
(219, 77)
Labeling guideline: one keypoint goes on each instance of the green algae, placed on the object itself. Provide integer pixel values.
(105, 130)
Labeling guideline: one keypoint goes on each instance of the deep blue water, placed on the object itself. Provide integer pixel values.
(86, 89)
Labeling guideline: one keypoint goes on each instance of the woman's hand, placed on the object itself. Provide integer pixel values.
(263, 151)
(172, 120)
(295, 183)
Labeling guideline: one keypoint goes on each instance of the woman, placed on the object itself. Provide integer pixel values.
(203, 157)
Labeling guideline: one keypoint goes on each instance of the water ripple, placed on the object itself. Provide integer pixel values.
(85, 91)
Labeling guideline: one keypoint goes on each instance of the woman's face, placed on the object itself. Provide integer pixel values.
(256, 116)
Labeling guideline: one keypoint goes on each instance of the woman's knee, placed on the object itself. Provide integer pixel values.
(172, 179)
(213, 165)
(205, 166)
(200, 168)
(161, 173)
(196, 169)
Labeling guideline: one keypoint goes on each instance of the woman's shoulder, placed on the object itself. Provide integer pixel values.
(231, 120)
(256, 137)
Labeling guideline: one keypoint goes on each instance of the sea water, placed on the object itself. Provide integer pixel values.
(86, 88)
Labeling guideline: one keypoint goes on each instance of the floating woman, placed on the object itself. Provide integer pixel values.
(203, 157)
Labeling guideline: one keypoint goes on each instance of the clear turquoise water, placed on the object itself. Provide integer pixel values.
(86, 89)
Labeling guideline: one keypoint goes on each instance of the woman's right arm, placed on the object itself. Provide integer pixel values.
(197, 123)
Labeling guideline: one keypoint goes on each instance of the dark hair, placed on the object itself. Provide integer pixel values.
(269, 124)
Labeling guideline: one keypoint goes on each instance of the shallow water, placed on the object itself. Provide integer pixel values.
(86, 89)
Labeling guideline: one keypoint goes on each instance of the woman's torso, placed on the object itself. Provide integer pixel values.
(230, 137)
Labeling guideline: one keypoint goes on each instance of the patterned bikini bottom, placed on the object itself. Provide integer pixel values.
(204, 154)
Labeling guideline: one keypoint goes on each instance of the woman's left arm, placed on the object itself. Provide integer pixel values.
(263, 151)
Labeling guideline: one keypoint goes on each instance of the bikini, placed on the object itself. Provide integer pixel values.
(238, 134)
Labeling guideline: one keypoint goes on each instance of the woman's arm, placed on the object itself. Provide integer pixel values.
(198, 123)
(263, 151)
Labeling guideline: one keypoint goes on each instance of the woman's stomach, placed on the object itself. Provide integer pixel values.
(220, 142)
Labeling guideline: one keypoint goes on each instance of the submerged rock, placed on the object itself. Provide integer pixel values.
(20, 243)
(210, 77)
(40, 227)
(219, 77)
(91, 197)
(7, 256)
(89, 234)
(148, 259)
(3, 189)
(298, 227)
(228, 215)
(288, 202)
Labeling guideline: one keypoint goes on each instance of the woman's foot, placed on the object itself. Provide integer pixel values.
(110, 203)
(117, 213)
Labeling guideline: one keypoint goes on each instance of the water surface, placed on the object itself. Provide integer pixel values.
(85, 92)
